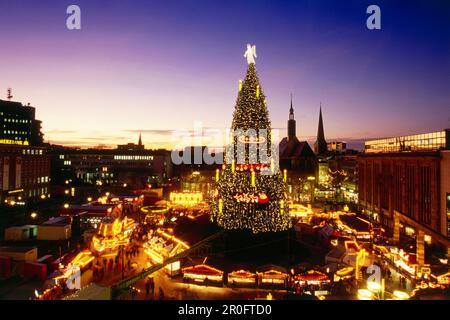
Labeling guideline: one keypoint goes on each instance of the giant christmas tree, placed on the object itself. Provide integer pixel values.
(250, 194)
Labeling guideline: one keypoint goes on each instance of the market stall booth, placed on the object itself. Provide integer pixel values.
(162, 245)
(242, 278)
(69, 278)
(77, 273)
(314, 281)
(344, 274)
(404, 260)
(272, 276)
(203, 274)
(111, 235)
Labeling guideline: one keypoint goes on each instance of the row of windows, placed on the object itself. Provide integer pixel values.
(42, 179)
(16, 120)
(133, 157)
(427, 141)
(409, 185)
(14, 132)
(117, 157)
(33, 151)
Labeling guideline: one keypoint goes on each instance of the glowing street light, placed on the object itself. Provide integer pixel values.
(373, 286)
(34, 215)
(364, 294)
(400, 295)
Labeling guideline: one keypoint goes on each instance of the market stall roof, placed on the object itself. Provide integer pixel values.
(202, 269)
(312, 275)
(91, 292)
(270, 267)
(241, 274)
(345, 271)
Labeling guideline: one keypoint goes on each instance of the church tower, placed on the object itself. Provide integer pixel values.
(320, 147)
(140, 140)
(291, 123)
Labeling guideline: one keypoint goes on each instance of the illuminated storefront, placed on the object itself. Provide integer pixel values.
(186, 198)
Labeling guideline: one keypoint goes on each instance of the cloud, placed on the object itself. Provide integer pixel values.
(57, 131)
(151, 131)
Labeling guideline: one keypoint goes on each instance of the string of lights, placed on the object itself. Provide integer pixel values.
(228, 209)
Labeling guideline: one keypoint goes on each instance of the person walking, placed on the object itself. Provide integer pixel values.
(152, 287)
(147, 287)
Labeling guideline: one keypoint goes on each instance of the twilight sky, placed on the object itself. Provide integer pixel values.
(157, 66)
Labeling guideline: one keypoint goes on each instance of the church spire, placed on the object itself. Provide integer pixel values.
(320, 147)
(140, 140)
(291, 110)
(291, 123)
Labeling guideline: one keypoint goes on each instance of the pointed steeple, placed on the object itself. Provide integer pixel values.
(291, 123)
(140, 140)
(291, 110)
(320, 147)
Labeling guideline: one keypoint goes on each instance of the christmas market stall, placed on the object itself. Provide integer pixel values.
(314, 281)
(162, 245)
(404, 260)
(111, 235)
(72, 277)
(203, 274)
(242, 278)
(272, 276)
(344, 274)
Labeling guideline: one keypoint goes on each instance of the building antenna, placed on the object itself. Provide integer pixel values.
(9, 94)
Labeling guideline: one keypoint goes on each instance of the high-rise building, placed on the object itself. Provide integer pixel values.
(18, 124)
(24, 163)
(404, 183)
(320, 146)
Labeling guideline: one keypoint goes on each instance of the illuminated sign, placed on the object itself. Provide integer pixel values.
(252, 198)
(16, 142)
(252, 167)
(245, 139)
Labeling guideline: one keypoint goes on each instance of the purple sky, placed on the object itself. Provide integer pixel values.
(158, 66)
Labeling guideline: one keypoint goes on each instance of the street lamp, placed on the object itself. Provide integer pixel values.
(34, 215)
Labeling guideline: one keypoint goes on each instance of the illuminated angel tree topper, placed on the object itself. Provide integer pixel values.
(250, 189)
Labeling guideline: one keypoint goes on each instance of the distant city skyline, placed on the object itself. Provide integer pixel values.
(155, 67)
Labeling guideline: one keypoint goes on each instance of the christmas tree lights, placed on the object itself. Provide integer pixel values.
(251, 194)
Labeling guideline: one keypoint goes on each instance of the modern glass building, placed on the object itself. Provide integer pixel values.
(418, 142)
(405, 181)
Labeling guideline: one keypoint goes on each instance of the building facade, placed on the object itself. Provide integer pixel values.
(24, 162)
(404, 184)
(24, 174)
(136, 167)
(18, 124)
(299, 160)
